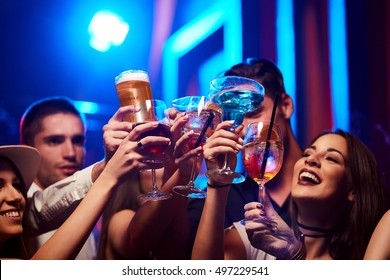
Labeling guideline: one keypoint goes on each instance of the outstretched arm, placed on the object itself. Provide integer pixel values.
(68, 239)
(209, 240)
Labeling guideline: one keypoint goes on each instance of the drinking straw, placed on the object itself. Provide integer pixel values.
(204, 129)
(267, 146)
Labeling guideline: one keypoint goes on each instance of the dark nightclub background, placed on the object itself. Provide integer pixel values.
(334, 54)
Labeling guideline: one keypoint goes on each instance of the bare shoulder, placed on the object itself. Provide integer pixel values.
(120, 220)
(117, 229)
(384, 224)
(379, 245)
(386, 218)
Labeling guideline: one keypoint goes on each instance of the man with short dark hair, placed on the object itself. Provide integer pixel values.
(57, 130)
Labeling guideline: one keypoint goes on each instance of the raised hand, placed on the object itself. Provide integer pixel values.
(116, 130)
(129, 157)
(223, 141)
(278, 240)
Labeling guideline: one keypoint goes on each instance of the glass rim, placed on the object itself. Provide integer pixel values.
(232, 77)
(132, 75)
(275, 127)
(228, 83)
(187, 100)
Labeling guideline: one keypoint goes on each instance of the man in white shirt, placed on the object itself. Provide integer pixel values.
(57, 129)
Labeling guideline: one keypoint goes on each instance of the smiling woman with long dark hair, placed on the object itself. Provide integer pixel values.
(337, 200)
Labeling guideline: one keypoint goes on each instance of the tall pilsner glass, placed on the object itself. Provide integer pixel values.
(133, 86)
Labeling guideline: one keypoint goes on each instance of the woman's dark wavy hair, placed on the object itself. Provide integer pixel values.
(14, 247)
(355, 227)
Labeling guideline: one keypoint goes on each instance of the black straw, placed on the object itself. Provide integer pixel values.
(267, 146)
(204, 129)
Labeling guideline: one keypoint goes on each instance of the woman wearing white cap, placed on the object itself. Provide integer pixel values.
(18, 168)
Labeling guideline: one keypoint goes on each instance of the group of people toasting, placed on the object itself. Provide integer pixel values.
(326, 201)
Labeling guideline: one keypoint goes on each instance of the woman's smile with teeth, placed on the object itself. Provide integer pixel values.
(11, 214)
(307, 176)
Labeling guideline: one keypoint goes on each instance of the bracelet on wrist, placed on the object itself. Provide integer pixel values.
(300, 254)
(217, 186)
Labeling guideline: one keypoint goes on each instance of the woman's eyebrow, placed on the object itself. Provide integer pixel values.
(337, 151)
(328, 150)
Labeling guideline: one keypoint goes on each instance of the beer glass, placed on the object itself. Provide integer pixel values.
(133, 86)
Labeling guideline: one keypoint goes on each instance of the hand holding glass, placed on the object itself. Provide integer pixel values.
(154, 110)
(202, 120)
(236, 96)
(262, 154)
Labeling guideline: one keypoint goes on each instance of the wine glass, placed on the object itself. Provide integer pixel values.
(153, 110)
(203, 118)
(263, 154)
(236, 96)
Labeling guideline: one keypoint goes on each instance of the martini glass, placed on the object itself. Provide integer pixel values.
(203, 118)
(154, 110)
(236, 96)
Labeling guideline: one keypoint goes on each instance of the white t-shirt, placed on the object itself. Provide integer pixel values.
(252, 253)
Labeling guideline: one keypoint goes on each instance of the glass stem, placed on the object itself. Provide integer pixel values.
(261, 194)
(225, 164)
(154, 184)
(191, 182)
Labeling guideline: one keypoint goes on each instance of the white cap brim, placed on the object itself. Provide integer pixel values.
(26, 159)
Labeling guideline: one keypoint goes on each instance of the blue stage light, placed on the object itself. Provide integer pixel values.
(285, 47)
(107, 29)
(86, 107)
(339, 64)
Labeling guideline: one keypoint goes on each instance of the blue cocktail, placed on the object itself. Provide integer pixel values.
(236, 96)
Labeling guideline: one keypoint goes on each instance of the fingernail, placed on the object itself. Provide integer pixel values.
(238, 146)
(259, 206)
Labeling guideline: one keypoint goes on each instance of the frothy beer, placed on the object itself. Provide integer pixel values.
(133, 86)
